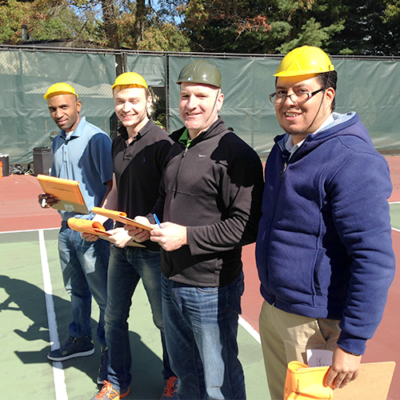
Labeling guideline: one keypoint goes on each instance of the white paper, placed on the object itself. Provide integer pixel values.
(69, 207)
(319, 358)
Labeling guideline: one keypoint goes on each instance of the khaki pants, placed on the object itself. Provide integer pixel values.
(286, 337)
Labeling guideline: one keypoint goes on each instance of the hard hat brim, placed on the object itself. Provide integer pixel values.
(50, 95)
(304, 72)
(130, 85)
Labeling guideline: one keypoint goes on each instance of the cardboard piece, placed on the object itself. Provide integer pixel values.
(372, 383)
(67, 191)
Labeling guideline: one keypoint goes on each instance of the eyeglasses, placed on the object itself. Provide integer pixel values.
(298, 97)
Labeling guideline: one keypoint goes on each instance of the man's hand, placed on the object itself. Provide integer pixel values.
(89, 237)
(47, 200)
(139, 235)
(171, 237)
(345, 368)
(120, 237)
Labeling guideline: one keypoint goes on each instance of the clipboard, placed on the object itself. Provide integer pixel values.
(120, 217)
(67, 191)
(372, 383)
(94, 228)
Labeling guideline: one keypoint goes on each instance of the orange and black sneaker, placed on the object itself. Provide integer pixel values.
(109, 393)
(170, 389)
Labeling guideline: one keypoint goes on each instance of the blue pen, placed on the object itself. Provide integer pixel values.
(157, 220)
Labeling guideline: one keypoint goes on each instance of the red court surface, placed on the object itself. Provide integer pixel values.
(19, 207)
(19, 210)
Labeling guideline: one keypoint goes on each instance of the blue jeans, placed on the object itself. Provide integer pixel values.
(201, 327)
(84, 267)
(127, 266)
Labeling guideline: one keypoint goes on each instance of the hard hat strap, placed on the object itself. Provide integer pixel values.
(320, 105)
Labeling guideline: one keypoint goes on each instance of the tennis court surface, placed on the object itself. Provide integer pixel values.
(35, 311)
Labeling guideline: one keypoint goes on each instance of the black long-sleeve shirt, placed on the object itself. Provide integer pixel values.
(214, 188)
(138, 168)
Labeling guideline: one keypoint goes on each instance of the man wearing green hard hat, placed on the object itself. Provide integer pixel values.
(81, 152)
(139, 155)
(324, 252)
(210, 198)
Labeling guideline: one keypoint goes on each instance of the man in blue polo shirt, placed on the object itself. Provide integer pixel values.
(81, 152)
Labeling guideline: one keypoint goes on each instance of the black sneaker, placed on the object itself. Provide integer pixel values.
(103, 369)
(73, 347)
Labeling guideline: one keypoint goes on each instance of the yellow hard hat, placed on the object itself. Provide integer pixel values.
(59, 88)
(130, 78)
(303, 61)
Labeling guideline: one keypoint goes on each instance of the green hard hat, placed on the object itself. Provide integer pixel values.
(200, 71)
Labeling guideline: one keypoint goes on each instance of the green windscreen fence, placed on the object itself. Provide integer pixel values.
(25, 122)
(369, 87)
(152, 68)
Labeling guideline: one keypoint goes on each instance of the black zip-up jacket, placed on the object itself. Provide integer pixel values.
(214, 188)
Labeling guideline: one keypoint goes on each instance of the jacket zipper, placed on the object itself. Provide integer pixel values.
(276, 202)
(179, 171)
(284, 169)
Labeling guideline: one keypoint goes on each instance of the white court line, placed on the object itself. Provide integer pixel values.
(249, 329)
(58, 372)
(31, 230)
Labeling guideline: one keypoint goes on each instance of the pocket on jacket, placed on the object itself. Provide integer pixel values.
(322, 276)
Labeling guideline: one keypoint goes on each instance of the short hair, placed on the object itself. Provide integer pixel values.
(120, 87)
(327, 80)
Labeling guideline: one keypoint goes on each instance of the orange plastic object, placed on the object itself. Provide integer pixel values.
(305, 383)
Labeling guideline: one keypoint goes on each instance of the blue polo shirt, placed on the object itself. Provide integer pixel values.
(85, 157)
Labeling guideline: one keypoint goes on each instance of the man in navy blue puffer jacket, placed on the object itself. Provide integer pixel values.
(324, 250)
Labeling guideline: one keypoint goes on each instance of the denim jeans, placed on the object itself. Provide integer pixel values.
(84, 266)
(201, 327)
(127, 266)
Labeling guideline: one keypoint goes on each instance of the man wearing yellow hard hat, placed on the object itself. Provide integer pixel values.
(324, 252)
(81, 152)
(139, 154)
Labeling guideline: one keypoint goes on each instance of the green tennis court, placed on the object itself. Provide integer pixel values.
(34, 307)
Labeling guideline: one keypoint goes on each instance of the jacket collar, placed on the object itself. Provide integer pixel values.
(124, 133)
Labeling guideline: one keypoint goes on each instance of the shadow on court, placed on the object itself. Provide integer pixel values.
(28, 299)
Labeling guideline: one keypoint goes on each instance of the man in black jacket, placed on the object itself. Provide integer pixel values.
(210, 198)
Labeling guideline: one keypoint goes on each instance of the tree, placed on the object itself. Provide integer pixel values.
(45, 20)
(392, 11)
(259, 26)
(367, 27)
(277, 26)
(84, 23)
(110, 24)
(371, 28)
(141, 27)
